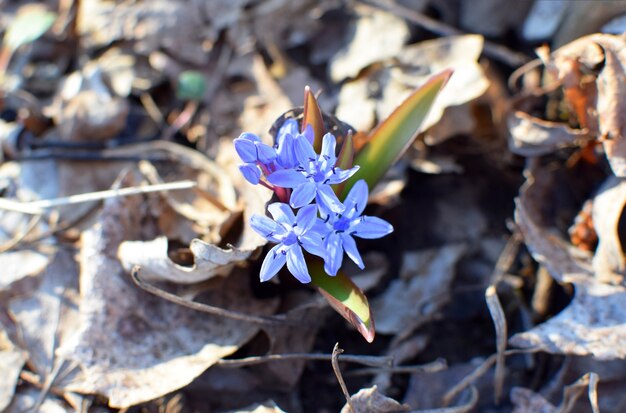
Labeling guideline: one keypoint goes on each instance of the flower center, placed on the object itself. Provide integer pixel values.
(290, 239)
(341, 225)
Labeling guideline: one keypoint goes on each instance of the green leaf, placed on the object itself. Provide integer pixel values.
(345, 297)
(27, 27)
(313, 116)
(191, 85)
(391, 138)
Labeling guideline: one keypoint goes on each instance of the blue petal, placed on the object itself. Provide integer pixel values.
(356, 199)
(251, 172)
(371, 227)
(313, 242)
(273, 262)
(282, 213)
(327, 200)
(302, 195)
(290, 126)
(265, 153)
(285, 154)
(304, 151)
(328, 150)
(297, 265)
(246, 149)
(287, 178)
(306, 218)
(341, 175)
(334, 254)
(267, 228)
(309, 134)
(350, 247)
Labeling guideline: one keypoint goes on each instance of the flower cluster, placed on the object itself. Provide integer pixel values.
(297, 174)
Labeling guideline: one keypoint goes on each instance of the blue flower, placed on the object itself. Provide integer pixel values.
(291, 233)
(339, 228)
(313, 175)
(254, 154)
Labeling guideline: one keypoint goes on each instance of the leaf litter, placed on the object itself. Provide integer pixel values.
(106, 114)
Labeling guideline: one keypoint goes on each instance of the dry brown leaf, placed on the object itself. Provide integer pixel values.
(527, 401)
(209, 260)
(17, 265)
(608, 205)
(426, 392)
(11, 361)
(168, 24)
(564, 262)
(370, 400)
(25, 401)
(532, 136)
(594, 323)
(129, 341)
(417, 63)
(421, 291)
(47, 317)
(376, 36)
(86, 110)
(266, 407)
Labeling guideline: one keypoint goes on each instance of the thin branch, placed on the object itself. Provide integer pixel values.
(499, 322)
(335, 363)
(205, 308)
(491, 49)
(432, 367)
(378, 362)
(38, 207)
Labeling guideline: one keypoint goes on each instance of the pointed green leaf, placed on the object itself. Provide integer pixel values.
(391, 138)
(313, 116)
(27, 27)
(345, 298)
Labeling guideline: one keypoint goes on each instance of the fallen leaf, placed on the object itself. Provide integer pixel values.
(420, 292)
(16, 265)
(370, 400)
(608, 206)
(376, 36)
(527, 401)
(594, 323)
(532, 136)
(128, 340)
(266, 407)
(47, 317)
(11, 361)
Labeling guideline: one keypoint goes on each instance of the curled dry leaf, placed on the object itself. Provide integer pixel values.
(418, 62)
(223, 184)
(532, 136)
(152, 256)
(594, 323)
(370, 400)
(377, 36)
(129, 341)
(592, 71)
(11, 361)
(608, 205)
(422, 290)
